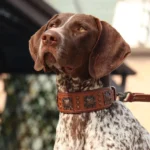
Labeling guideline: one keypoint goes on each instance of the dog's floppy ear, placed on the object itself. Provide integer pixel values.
(109, 52)
(34, 44)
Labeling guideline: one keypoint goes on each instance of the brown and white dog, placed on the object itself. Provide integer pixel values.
(82, 50)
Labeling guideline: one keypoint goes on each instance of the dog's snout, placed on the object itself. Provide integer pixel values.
(51, 38)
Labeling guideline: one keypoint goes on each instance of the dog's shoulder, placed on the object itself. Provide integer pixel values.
(118, 127)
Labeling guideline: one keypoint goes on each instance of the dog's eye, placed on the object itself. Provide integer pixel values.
(52, 25)
(81, 29)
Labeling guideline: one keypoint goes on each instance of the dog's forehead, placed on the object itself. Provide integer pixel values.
(64, 17)
(84, 18)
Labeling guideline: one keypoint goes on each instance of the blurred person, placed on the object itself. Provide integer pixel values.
(3, 94)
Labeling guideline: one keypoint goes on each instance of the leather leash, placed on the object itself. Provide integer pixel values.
(133, 97)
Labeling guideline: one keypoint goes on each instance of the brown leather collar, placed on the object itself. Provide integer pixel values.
(87, 101)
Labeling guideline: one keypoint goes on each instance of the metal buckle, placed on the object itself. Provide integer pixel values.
(107, 97)
(114, 92)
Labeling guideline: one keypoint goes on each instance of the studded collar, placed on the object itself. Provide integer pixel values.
(86, 101)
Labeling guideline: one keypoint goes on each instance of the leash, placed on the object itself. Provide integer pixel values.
(133, 97)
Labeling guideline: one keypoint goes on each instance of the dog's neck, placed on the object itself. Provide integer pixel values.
(68, 84)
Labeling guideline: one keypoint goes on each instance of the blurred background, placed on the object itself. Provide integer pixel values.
(28, 112)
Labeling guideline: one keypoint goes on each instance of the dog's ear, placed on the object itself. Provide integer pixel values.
(109, 52)
(34, 45)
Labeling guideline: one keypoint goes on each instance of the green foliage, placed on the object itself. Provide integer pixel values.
(30, 117)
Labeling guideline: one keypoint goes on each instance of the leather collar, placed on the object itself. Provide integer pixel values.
(94, 100)
(86, 101)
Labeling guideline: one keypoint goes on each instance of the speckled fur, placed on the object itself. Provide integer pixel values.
(114, 128)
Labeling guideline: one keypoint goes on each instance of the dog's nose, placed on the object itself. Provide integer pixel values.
(51, 38)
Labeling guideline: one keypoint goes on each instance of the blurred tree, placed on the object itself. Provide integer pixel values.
(30, 117)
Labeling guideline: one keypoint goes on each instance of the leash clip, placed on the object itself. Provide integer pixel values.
(123, 96)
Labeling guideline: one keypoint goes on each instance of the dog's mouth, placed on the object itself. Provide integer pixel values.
(48, 60)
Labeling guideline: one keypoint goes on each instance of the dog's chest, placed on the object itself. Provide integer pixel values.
(72, 127)
(110, 129)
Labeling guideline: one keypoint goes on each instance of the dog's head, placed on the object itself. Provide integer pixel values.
(79, 45)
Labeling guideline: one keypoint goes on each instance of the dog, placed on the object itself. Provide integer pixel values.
(83, 50)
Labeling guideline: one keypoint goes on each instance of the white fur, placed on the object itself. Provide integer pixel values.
(59, 30)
